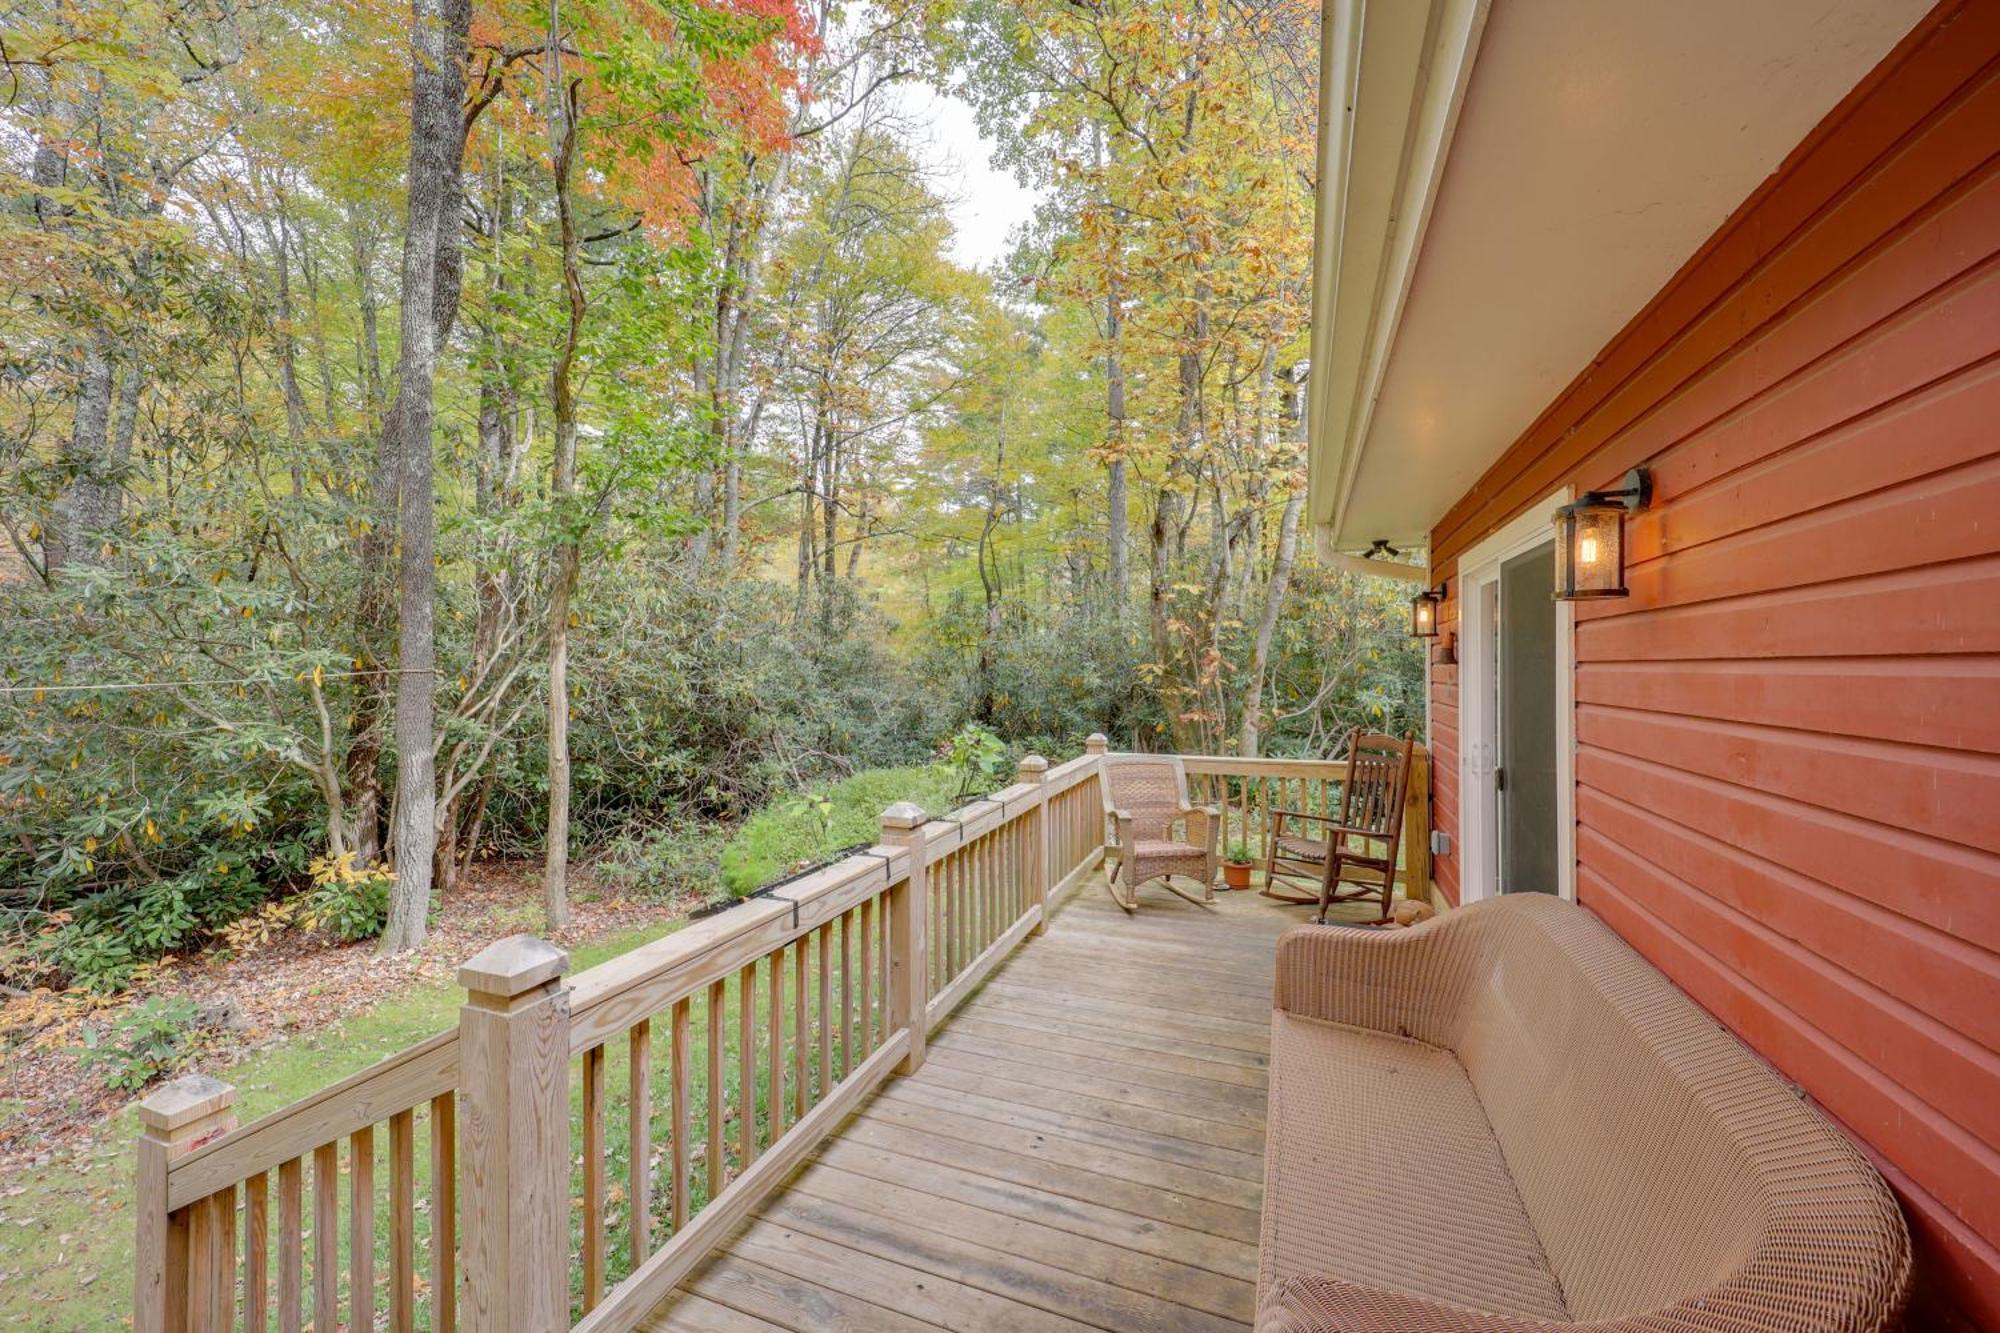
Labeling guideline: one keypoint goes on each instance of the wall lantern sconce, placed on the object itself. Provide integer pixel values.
(1424, 612)
(1590, 539)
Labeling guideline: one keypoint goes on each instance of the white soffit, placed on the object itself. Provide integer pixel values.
(1502, 190)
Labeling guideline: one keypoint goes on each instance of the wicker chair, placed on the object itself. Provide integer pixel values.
(1358, 846)
(1145, 796)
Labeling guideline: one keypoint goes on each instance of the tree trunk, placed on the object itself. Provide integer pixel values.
(1274, 596)
(430, 299)
(1114, 490)
(562, 394)
(88, 502)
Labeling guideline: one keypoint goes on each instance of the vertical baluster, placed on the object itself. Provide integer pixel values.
(846, 992)
(257, 1252)
(593, 1176)
(746, 1066)
(825, 962)
(204, 1295)
(800, 1042)
(775, 1096)
(402, 1221)
(867, 1018)
(883, 957)
(291, 1246)
(361, 1228)
(444, 1213)
(639, 1136)
(717, 999)
(961, 892)
(681, 1043)
(326, 1236)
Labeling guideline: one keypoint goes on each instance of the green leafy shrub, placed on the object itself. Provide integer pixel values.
(977, 756)
(663, 862)
(346, 901)
(1239, 852)
(149, 1040)
(85, 956)
(792, 833)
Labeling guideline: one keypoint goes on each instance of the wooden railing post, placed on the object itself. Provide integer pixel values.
(1034, 771)
(909, 950)
(513, 1125)
(174, 1121)
(1095, 743)
(1417, 829)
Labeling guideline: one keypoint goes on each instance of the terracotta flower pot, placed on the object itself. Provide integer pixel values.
(1236, 874)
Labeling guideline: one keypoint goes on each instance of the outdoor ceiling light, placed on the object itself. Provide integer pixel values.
(1424, 612)
(1590, 539)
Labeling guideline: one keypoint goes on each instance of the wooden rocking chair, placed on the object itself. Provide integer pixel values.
(1145, 796)
(1342, 849)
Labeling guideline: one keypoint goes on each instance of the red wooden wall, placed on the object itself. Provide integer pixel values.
(1788, 738)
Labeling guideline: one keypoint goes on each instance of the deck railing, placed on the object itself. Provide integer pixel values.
(708, 1063)
(502, 1176)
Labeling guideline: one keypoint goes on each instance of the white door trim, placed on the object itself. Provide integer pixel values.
(1478, 836)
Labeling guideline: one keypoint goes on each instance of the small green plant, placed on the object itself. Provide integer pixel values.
(975, 756)
(346, 901)
(816, 807)
(150, 1040)
(1240, 853)
(89, 958)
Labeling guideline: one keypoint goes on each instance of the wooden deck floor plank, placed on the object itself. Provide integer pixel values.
(915, 1292)
(985, 1025)
(1249, 1138)
(990, 1268)
(904, 1156)
(1129, 1087)
(1224, 1101)
(693, 1313)
(1181, 982)
(1181, 1018)
(1086, 981)
(1241, 1190)
(995, 1008)
(1225, 1256)
(1117, 1135)
(1119, 1265)
(762, 1292)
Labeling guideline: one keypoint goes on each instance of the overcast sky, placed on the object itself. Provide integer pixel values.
(987, 203)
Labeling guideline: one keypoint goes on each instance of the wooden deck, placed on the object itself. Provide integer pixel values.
(1083, 1149)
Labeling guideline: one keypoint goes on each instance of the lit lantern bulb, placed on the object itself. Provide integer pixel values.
(1586, 550)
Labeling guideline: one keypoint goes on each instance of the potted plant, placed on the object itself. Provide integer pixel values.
(1237, 861)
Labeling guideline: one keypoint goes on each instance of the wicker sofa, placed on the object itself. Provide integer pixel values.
(1505, 1120)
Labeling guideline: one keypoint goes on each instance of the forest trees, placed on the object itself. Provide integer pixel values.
(575, 418)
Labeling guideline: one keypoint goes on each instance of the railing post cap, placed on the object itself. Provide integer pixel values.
(509, 967)
(1095, 743)
(184, 1101)
(904, 815)
(1032, 768)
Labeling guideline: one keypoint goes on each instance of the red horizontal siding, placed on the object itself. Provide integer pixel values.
(1788, 737)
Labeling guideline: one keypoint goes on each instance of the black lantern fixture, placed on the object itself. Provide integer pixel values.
(1424, 612)
(1590, 539)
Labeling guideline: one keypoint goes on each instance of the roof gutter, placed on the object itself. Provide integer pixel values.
(1393, 75)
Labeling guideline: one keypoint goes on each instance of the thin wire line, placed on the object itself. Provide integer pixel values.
(236, 680)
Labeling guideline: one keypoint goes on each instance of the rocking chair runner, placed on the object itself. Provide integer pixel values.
(1342, 849)
(1145, 796)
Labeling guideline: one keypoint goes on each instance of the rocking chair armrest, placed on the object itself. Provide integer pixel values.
(1210, 826)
